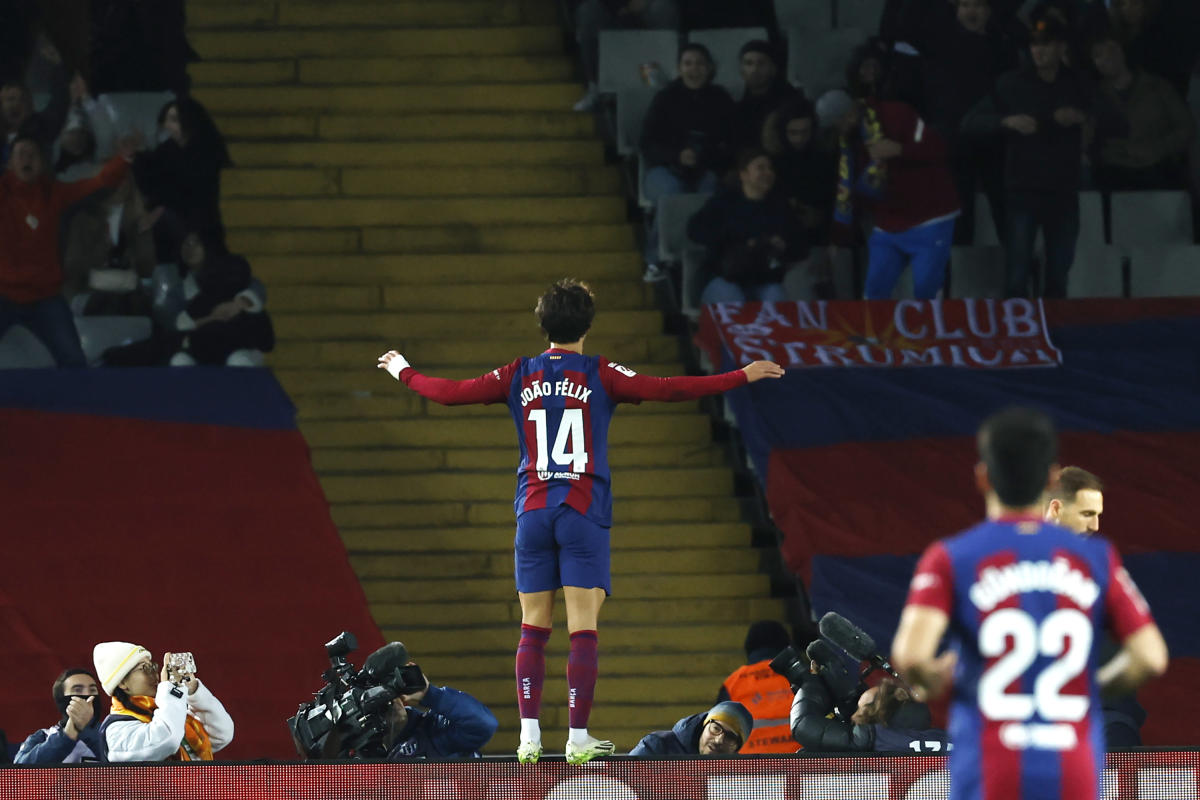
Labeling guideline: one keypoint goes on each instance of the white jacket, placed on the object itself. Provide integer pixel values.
(158, 739)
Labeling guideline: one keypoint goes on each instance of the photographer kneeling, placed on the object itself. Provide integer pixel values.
(886, 719)
(454, 725)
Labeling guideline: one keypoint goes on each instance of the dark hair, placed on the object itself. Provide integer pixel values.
(759, 46)
(199, 129)
(1071, 481)
(1018, 446)
(766, 633)
(871, 48)
(702, 50)
(566, 310)
(123, 696)
(747, 155)
(58, 690)
(775, 139)
(890, 697)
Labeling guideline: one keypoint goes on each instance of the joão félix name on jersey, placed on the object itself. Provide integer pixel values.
(563, 388)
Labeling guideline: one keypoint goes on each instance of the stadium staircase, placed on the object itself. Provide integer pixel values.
(409, 175)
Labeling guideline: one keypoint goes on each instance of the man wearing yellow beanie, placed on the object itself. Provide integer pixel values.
(178, 717)
(722, 730)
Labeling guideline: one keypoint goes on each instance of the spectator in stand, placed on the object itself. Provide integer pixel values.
(765, 90)
(76, 735)
(805, 169)
(866, 70)
(895, 165)
(1161, 127)
(19, 116)
(963, 56)
(750, 234)
(685, 138)
(31, 277)
(1042, 110)
(765, 693)
(1157, 39)
(157, 715)
(224, 321)
(722, 730)
(181, 178)
(593, 16)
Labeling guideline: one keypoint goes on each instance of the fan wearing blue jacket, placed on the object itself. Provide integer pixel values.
(76, 736)
(453, 724)
(722, 730)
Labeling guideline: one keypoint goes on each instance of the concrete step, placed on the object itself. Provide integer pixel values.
(508, 182)
(616, 639)
(422, 352)
(362, 325)
(472, 432)
(498, 539)
(609, 688)
(392, 97)
(484, 666)
(382, 42)
(476, 485)
(389, 71)
(440, 277)
(401, 461)
(382, 127)
(476, 211)
(410, 13)
(459, 239)
(349, 516)
(634, 587)
(734, 561)
(484, 153)
(614, 295)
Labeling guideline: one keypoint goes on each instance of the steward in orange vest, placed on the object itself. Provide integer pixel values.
(766, 694)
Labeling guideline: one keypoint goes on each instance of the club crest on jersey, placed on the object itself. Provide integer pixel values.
(997, 584)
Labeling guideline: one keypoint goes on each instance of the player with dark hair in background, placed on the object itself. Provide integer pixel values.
(562, 402)
(1023, 603)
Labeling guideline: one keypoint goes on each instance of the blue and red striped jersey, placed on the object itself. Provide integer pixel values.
(562, 403)
(1027, 602)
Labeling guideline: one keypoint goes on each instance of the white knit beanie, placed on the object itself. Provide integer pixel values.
(115, 660)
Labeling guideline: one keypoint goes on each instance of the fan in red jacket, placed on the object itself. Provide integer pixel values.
(893, 163)
(31, 205)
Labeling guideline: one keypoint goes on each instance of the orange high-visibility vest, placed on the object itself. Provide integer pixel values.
(768, 696)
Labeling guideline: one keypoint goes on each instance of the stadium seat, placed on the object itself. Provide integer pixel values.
(724, 44)
(1098, 271)
(1091, 219)
(674, 211)
(97, 334)
(643, 202)
(818, 63)
(623, 52)
(20, 349)
(809, 16)
(861, 14)
(986, 234)
(1151, 218)
(632, 104)
(127, 113)
(801, 281)
(1165, 271)
(977, 271)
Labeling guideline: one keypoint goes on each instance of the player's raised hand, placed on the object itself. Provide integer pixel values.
(393, 362)
(757, 370)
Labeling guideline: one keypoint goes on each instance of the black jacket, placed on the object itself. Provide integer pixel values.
(811, 728)
(679, 117)
(185, 180)
(729, 220)
(1047, 161)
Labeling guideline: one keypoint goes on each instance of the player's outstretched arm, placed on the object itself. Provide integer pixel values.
(626, 386)
(490, 388)
(914, 651)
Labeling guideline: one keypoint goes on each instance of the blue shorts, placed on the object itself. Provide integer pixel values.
(558, 547)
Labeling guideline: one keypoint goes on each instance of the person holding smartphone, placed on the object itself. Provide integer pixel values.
(158, 713)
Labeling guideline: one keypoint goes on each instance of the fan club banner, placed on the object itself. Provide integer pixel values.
(1169, 775)
(969, 333)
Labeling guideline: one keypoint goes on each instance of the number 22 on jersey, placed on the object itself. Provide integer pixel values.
(569, 441)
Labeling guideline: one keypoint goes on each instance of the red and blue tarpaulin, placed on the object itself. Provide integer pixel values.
(865, 464)
(177, 509)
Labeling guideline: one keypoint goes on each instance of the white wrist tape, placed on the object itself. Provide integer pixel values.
(397, 365)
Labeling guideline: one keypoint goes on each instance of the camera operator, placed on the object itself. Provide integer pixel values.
(886, 719)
